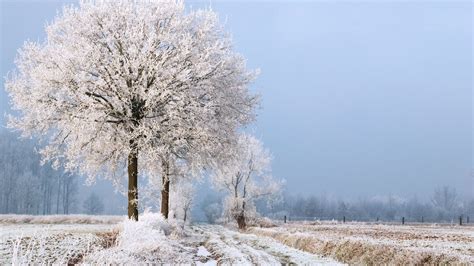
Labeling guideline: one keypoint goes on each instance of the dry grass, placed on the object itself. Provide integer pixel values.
(379, 244)
(109, 239)
(60, 219)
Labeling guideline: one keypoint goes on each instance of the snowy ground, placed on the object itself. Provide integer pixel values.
(360, 243)
(48, 243)
(231, 247)
(115, 240)
(152, 240)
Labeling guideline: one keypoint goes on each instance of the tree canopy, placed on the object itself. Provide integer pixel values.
(131, 83)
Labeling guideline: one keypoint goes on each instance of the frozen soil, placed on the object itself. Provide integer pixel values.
(359, 243)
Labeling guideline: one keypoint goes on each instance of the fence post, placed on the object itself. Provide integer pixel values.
(403, 220)
(422, 219)
(460, 220)
(344, 219)
(285, 218)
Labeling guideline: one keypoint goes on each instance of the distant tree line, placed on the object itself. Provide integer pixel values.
(93, 204)
(26, 186)
(444, 205)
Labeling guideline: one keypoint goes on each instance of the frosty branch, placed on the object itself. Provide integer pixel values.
(245, 175)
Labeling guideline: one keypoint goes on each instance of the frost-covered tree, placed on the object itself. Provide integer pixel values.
(131, 85)
(245, 175)
(444, 198)
(182, 198)
(445, 201)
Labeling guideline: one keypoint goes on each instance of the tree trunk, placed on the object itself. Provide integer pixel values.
(241, 218)
(241, 221)
(133, 186)
(165, 193)
(68, 190)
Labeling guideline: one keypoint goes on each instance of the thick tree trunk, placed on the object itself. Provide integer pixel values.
(165, 193)
(133, 186)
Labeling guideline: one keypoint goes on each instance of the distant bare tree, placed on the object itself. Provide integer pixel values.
(27, 186)
(93, 204)
(182, 198)
(69, 190)
(245, 176)
(342, 209)
(444, 198)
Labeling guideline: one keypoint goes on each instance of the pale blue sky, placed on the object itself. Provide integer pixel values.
(359, 98)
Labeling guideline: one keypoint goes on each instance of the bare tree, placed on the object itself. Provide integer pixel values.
(444, 198)
(245, 176)
(445, 201)
(69, 190)
(182, 196)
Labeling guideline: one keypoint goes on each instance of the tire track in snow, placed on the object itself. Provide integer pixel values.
(222, 251)
(232, 247)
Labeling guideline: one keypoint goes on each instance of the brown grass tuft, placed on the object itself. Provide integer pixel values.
(109, 239)
(357, 252)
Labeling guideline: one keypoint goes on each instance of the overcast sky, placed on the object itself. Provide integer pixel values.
(359, 98)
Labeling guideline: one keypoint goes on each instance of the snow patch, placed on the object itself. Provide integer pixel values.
(202, 251)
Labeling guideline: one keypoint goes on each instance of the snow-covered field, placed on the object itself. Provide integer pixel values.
(114, 240)
(151, 240)
(59, 219)
(361, 243)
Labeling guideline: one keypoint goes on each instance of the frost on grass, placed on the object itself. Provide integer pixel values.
(231, 247)
(150, 240)
(359, 243)
(48, 248)
(59, 219)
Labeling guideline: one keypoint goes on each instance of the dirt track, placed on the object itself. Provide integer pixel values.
(232, 247)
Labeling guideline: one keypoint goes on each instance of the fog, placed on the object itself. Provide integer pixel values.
(360, 99)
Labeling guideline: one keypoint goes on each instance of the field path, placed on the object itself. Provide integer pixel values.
(232, 247)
